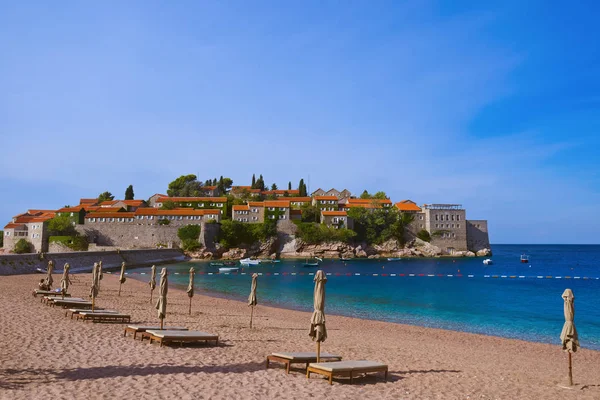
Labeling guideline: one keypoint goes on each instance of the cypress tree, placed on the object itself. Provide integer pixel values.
(302, 188)
(253, 181)
(129, 193)
(289, 185)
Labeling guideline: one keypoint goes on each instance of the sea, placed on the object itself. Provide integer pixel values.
(508, 298)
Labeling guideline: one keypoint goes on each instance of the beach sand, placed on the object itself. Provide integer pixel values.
(44, 355)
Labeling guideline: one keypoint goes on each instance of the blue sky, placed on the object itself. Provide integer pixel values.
(491, 106)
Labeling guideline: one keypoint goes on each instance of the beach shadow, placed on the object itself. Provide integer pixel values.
(14, 379)
(427, 371)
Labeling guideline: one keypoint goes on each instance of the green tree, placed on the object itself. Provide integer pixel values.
(185, 186)
(168, 205)
(129, 193)
(61, 225)
(289, 185)
(286, 194)
(234, 201)
(274, 186)
(189, 232)
(302, 189)
(260, 183)
(227, 183)
(253, 181)
(310, 213)
(365, 195)
(1, 238)
(190, 244)
(22, 246)
(105, 196)
(424, 235)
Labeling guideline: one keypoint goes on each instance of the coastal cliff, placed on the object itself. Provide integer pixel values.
(288, 246)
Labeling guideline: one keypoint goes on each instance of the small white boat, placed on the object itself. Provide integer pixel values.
(394, 259)
(249, 261)
(488, 261)
(228, 269)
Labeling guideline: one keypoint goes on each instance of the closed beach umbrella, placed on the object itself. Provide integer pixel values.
(49, 280)
(94, 289)
(100, 274)
(122, 278)
(152, 282)
(190, 288)
(568, 336)
(161, 304)
(318, 331)
(252, 298)
(65, 281)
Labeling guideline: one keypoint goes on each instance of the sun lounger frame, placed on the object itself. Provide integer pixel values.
(123, 318)
(350, 373)
(43, 293)
(135, 331)
(288, 362)
(181, 339)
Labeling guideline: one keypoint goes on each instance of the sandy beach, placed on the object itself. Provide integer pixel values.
(45, 355)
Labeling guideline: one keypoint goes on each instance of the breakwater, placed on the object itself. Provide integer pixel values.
(82, 261)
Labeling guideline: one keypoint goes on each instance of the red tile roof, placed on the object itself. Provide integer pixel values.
(192, 199)
(256, 203)
(88, 201)
(334, 213)
(301, 199)
(110, 215)
(241, 207)
(133, 203)
(71, 209)
(277, 203)
(407, 205)
(326, 198)
(282, 192)
(177, 211)
(13, 226)
(369, 201)
(209, 187)
(109, 209)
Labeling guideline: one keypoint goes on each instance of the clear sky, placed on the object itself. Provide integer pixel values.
(495, 107)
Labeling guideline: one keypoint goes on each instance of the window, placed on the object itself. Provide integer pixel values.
(180, 217)
(447, 225)
(255, 210)
(92, 219)
(159, 204)
(436, 225)
(281, 208)
(102, 219)
(271, 208)
(458, 225)
(453, 235)
(436, 217)
(452, 217)
(458, 217)
(282, 217)
(421, 217)
(447, 217)
(189, 204)
(334, 220)
(255, 218)
(271, 217)
(200, 204)
(453, 225)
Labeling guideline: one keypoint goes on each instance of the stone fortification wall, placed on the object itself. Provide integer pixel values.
(83, 261)
(477, 235)
(209, 234)
(130, 236)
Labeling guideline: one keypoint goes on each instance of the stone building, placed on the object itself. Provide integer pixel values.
(336, 219)
(253, 212)
(371, 204)
(297, 202)
(277, 209)
(128, 205)
(340, 195)
(216, 203)
(31, 226)
(477, 235)
(325, 203)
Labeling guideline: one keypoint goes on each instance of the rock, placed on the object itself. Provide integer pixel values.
(347, 254)
(426, 248)
(235, 254)
(360, 253)
(470, 254)
(373, 256)
(484, 253)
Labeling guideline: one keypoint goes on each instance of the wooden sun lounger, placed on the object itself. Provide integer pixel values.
(51, 299)
(300, 358)
(102, 317)
(168, 336)
(70, 304)
(37, 292)
(346, 369)
(135, 329)
(75, 311)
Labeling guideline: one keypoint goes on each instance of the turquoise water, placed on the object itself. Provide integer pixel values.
(507, 299)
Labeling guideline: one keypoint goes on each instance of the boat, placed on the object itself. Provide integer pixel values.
(310, 265)
(488, 261)
(524, 258)
(345, 259)
(228, 269)
(249, 261)
(41, 271)
(230, 263)
(394, 259)
(216, 264)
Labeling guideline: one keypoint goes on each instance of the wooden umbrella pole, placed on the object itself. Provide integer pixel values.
(570, 370)
(151, 290)
(93, 302)
(120, 288)
(161, 323)
(318, 352)
(190, 306)
(251, 315)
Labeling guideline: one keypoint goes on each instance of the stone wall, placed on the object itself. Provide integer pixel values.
(209, 234)
(83, 261)
(477, 235)
(130, 236)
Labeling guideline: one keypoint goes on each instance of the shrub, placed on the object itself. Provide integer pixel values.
(189, 232)
(235, 233)
(61, 225)
(164, 221)
(22, 246)
(424, 235)
(190, 244)
(77, 243)
(313, 233)
(168, 205)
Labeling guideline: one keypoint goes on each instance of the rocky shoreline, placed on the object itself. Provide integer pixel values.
(287, 247)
